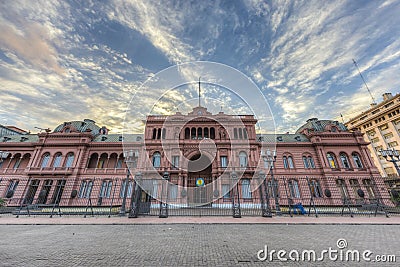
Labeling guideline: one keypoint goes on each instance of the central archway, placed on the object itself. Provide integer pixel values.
(199, 176)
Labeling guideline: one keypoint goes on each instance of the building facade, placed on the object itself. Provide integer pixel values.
(189, 160)
(381, 127)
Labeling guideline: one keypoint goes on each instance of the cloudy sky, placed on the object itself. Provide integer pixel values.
(70, 60)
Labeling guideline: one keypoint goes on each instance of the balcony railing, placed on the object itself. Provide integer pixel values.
(50, 170)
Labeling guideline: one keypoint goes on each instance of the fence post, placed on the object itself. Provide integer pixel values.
(263, 191)
(164, 204)
(135, 197)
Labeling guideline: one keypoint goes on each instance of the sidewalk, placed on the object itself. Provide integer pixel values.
(99, 220)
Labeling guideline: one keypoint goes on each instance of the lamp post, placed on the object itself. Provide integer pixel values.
(130, 159)
(271, 158)
(391, 155)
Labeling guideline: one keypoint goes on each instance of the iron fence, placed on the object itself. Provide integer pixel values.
(287, 196)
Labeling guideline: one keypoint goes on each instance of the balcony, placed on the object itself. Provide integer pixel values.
(104, 171)
(49, 171)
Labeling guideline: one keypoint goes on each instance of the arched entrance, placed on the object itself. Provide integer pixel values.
(199, 176)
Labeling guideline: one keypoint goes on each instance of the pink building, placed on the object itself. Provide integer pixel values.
(186, 161)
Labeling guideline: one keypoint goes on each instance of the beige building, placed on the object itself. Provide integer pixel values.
(381, 125)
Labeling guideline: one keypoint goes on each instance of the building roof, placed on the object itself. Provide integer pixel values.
(86, 125)
(20, 138)
(317, 125)
(10, 130)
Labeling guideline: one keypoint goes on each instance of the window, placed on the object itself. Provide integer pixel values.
(369, 186)
(226, 191)
(199, 133)
(315, 188)
(235, 133)
(243, 159)
(154, 133)
(331, 160)
(187, 133)
(311, 162)
(12, 186)
(17, 163)
(288, 162)
(175, 162)
(58, 191)
(294, 189)
(345, 160)
(383, 127)
(105, 190)
(375, 140)
(57, 160)
(389, 135)
(355, 185)
(240, 133)
(156, 160)
(193, 133)
(173, 191)
(30, 195)
(246, 192)
(86, 189)
(305, 162)
(70, 160)
(164, 133)
(118, 165)
(342, 188)
(272, 189)
(212, 133)
(357, 160)
(129, 192)
(245, 133)
(45, 160)
(285, 162)
(206, 135)
(224, 161)
(392, 144)
(44, 193)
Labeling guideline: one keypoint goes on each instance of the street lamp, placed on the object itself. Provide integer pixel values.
(130, 159)
(391, 155)
(271, 158)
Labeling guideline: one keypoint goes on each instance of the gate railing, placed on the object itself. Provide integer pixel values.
(297, 196)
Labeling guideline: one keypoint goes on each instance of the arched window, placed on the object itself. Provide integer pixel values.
(45, 160)
(311, 162)
(345, 160)
(235, 133)
(85, 189)
(154, 133)
(199, 133)
(206, 133)
(187, 133)
(245, 133)
(105, 190)
(70, 160)
(305, 162)
(193, 133)
(285, 162)
(242, 159)
(240, 133)
(159, 133)
(57, 160)
(156, 160)
(315, 188)
(164, 133)
(342, 188)
(246, 192)
(290, 162)
(212, 133)
(294, 189)
(357, 160)
(331, 160)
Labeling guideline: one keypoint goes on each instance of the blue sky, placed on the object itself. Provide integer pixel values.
(70, 60)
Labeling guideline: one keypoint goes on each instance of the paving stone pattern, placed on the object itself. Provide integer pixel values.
(184, 244)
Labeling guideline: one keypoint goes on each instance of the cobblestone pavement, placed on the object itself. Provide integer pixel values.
(185, 244)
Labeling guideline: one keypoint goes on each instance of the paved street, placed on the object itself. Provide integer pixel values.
(184, 244)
